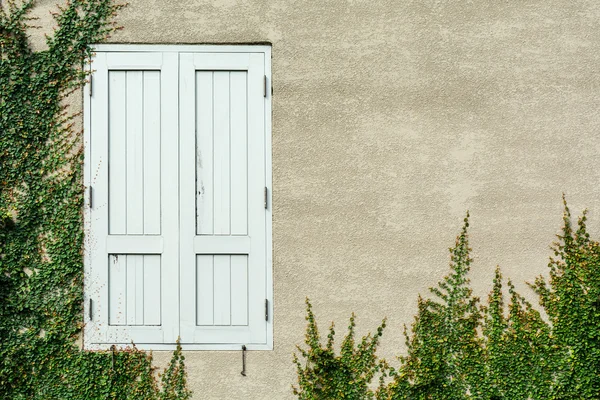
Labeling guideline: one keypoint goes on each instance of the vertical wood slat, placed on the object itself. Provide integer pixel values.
(205, 290)
(204, 153)
(152, 290)
(117, 289)
(222, 177)
(151, 152)
(239, 290)
(139, 289)
(222, 291)
(117, 160)
(135, 289)
(130, 288)
(135, 161)
(239, 154)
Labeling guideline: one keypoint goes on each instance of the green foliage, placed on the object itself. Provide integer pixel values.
(173, 380)
(444, 352)
(41, 233)
(460, 350)
(519, 357)
(325, 375)
(571, 298)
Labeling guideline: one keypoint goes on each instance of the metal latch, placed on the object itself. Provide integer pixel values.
(243, 360)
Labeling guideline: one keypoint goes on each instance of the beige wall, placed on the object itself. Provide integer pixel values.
(391, 119)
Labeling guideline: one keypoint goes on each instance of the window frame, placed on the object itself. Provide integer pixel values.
(88, 179)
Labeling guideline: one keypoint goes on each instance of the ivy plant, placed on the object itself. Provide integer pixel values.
(571, 299)
(519, 357)
(459, 349)
(41, 229)
(444, 351)
(324, 375)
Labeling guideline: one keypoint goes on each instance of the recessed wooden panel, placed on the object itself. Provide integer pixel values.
(134, 152)
(204, 290)
(222, 290)
(134, 289)
(117, 289)
(221, 153)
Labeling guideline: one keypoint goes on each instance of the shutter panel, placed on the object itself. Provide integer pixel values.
(222, 178)
(131, 246)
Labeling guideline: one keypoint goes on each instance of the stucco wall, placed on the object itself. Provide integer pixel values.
(391, 119)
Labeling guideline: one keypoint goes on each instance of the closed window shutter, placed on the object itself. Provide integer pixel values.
(176, 235)
(223, 223)
(132, 242)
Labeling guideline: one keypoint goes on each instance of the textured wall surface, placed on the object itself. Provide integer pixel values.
(391, 118)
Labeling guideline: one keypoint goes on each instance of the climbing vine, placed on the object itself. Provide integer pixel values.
(459, 349)
(571, 298)
(326, 375)
(41, 232)
(444, 352)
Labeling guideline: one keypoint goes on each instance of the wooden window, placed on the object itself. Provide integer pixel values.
(178, 222)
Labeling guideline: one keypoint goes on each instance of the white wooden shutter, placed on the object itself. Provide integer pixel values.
(222, 184)
(132, 224)
(177, 229)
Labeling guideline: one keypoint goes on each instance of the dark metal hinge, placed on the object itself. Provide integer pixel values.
(113, 349)
(265, 87)
(91, 196)
(90, 310)
(91, 84)
(266, 310)
(266, 197)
